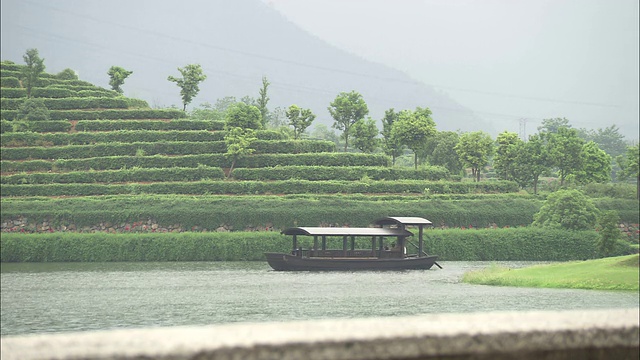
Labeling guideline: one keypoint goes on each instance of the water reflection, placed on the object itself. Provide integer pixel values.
(49, 297)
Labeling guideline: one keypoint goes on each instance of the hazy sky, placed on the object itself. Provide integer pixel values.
(505, 59)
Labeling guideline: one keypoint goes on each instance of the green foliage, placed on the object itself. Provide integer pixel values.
(117, 75)
(262, 101)
(347, 173)
(71, 103)
(174, 124)
(33, 69)
(504, 161)
(532, 160)
(241, 115)
(565, 152)
(443, 153)
(13, 93)
(67, 74)
(413, 129)
(239, 144)
(597, 165)
(9, 82)
(192, 76)
(33, 110)
(390, 145)
(608, 232)
(567, 209)
(346, 109)
(629, 166)
(365, 134)
(300, 119)
(475, 149)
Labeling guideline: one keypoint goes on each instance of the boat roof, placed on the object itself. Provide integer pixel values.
(345, 231)
(402, 220)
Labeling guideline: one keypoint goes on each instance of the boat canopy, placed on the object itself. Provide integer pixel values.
(345, 231)
(399, 220)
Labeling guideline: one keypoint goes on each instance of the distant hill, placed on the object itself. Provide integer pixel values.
(236, 42)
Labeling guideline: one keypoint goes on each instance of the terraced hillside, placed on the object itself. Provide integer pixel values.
(101, 155)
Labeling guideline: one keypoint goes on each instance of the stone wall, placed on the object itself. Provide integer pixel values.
(595, 334)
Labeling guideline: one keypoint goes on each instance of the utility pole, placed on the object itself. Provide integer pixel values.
(523, 129)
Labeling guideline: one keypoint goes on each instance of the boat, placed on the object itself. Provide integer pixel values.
(379, 256)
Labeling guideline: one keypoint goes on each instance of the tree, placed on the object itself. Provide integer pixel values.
(67, 74)
(443, 153)
(567, 209)
(608, 232)
(263, 100)
(565, 152)
(597, 165)
(35, 67)
(243, 116)
(474, 150)
(413, 129)
(117, 75)
(531, 161)
(346, 110)
(206, 111)
(504, 161)
(192, 75)
(629, 166)
(33, 109)
(390, 145)
(365, 134)
(223, 104)
(608, 139)
(322, 131)
(552, 125)
(299, 119)
(239, 143)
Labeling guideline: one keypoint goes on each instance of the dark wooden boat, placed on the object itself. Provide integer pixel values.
(378, 257)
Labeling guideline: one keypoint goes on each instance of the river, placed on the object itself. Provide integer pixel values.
(62, 297)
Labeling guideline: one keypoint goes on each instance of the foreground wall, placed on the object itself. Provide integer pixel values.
(600, 334)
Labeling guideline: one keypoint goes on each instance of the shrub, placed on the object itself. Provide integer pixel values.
(567, 209)
(33, 109)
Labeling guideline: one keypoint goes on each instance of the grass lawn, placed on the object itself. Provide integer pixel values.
(615, 273)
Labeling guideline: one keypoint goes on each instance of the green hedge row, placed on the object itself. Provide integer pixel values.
(9, 66)
(45, 82)
(15, 139)
(163, 148)
(261, 187)
(15, 72)
(35, 126)
(175, 124)
(9, 82)
(351, 173)
(70, 103)
(213, 160)
(111, 114)
(117, 176)
(59, 92)
(13, 93)
(451, 245)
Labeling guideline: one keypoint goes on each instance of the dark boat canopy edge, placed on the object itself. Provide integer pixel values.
(402, 220)
(340, 231)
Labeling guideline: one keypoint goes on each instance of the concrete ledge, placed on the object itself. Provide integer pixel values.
(597, 334)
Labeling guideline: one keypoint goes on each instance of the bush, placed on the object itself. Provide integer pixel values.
(567, 209)
(14, 93)
(175, 124)
(33, 110)
(9, 82)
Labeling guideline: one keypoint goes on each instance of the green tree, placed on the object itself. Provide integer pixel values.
(206, 111)
(33, 109)
(300, 119)
(192, 76)
(504, 161)
(239, 143)
(629, 166)
(365, 134)
(243, 116)
(117, 75)
(390, 145)
(565, 152)
(67, 74)
(413, 129)
(597, 165)
(263, 100)
(567, 209)
(322, 131)
(531, 161)
(443, 153)
(608, 232)
(35, 67)
(552, 125)
(346, 110)
(475, 149)
(223, 104)
(608, 139)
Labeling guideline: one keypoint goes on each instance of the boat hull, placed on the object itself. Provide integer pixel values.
(287, 262)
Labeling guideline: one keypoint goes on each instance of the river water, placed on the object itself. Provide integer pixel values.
(62, 297)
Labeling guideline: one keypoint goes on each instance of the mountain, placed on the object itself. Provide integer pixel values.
(236, 42)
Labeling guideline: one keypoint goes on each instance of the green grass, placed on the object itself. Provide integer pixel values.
(615, 273)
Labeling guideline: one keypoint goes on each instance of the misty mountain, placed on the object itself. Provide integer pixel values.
(236, 42)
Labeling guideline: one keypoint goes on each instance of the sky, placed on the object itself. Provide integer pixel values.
(514, 61)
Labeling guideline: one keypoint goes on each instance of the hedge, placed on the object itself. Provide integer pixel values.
(10, 66)
(523, 244)
(48, 81)
(35, 126)
(213, 160)
(121, 136)
(175, 124)
(259, 187)
(13, 93)
(9, 82)
(70, 103)
(340, 173)
(112, 114)
(161, 147)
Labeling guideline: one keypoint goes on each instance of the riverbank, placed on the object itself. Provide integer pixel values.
(614, 273)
